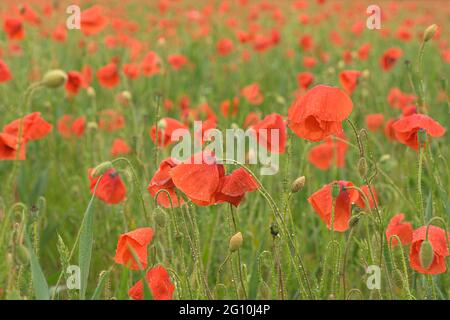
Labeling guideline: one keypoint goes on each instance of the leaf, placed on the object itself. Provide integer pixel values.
(85, 248)
(40, 285)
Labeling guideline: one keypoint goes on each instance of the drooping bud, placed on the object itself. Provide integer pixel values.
(366, 73)
(54, 78)
(160, 217)
(274, 230)
(335, 190)
(429, 32)
(426, 254)
(298, 184)
(362, 167)
(102, 168)
(91, 125)
(235, 242)
(127, 95)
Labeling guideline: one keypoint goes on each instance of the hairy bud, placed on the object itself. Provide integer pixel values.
(54, 78)
(298, 184)
(235, 242)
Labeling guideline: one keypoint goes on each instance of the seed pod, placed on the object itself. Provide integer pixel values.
(235, 242)
(102, 168)
(362, 167)
(298, 184)
(429, 32)
(22, 254)
(160, 217)
(274, 230)
(426, 254)
(54, 78)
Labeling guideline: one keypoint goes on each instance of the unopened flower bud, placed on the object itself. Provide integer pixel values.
(160, 217)
(162, 124)
(22, 254)
(362, 167)
(298, 184)
(429, 32)
(366, 73)
(91, 125)
(90, 92)
(54, 78)
(354, 221)
(102, 168)
(274, 230)
(235, 242)
(426, 254)
(127, 95)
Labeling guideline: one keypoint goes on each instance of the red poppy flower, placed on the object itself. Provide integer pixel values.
(224, 47)
(252, 94)
(319, 113)
(119, 147)
(406, 129)
(361, 203)
(14, 29)
(5, 73)
(322, 202)
(234, 187)
(134, 245)
(264, 129)
(177, 61)
(398, 99)
(401, 229)
(437, 238)
(305, 79)
(166, 127)
(227, 104)
(60, 33)
(111, 120)
(163, 180)
(74, 82)
(131, 70)
(390, 57)
(349, 80)
(151, 64)
(309, 62)
(28, 14)
(68, 127)
(110, 189)
(92, 20)
(9, 147)
(374, 121)
(409, 110)
(332, 150)
(389, 131)
(108, 76)
(306, 42)
(251, 119)
(159, 283)
(363, 51)
(199, 178)
(34, 127)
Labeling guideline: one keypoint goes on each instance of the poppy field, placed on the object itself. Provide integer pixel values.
(224, 149)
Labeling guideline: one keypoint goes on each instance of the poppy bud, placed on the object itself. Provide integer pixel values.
(280, 99)
(22, 254)
(92, 125)
(341, 64)
(366, 73)
(426, 254)
(127, 95)
(160, 217)
(362, 167)
(421, 137)
(90, 92)
(235, 242)
(298, 184)
(335, 190)
(162, 124)
(102, 168)
(274, 230)
(429, 32)
(54, 78)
